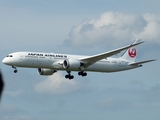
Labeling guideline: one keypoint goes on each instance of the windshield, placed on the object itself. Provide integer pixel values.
(9, 56)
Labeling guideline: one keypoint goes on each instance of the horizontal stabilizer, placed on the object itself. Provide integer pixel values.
(142, 62)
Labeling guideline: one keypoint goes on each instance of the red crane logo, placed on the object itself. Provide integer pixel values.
(132, 52)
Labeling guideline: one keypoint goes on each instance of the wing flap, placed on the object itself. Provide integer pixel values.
(142, 62)
(92, 59)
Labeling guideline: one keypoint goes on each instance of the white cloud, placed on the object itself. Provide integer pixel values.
(57, 84)
(112, 27)
(152, 29)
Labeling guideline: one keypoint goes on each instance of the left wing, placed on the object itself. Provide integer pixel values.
(142, 62)
(87, 61)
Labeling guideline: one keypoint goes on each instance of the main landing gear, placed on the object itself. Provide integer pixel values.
(82, 73)
(69, 76)
(15, 69)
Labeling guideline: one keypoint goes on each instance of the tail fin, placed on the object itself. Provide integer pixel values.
(131, 53)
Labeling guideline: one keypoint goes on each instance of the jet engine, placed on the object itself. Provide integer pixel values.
(71, 64)
(43, 71)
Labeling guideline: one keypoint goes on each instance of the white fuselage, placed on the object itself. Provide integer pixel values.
(55, 61)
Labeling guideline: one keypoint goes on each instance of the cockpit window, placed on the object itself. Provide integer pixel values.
(9, 56)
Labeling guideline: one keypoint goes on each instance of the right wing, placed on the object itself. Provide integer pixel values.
(87, 61)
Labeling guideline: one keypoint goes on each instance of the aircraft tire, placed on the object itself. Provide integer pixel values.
(79, 73)
(67, 76)
(15, 71)
(71, 77)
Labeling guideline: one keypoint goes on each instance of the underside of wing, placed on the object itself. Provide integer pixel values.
(142, 62)
(92, 59)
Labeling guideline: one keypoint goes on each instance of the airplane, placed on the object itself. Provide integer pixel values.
(49, 63)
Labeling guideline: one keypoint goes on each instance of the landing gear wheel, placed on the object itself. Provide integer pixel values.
(82, 73)
(15, 71)
(79, 73)
(69, 76)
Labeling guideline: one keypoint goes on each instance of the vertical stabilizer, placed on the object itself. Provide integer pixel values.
(131, 53)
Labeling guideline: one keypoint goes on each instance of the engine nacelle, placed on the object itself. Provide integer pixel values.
(71, 64)
(43, 71)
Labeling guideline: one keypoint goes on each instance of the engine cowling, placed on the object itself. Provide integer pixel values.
(43, 71)
(71, 64)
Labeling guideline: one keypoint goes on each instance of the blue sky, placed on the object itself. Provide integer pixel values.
(86, 28)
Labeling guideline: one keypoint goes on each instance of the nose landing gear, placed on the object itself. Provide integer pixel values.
(15, 69)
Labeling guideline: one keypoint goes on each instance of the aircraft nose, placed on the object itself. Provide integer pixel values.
(8, 60)
(4, 61)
